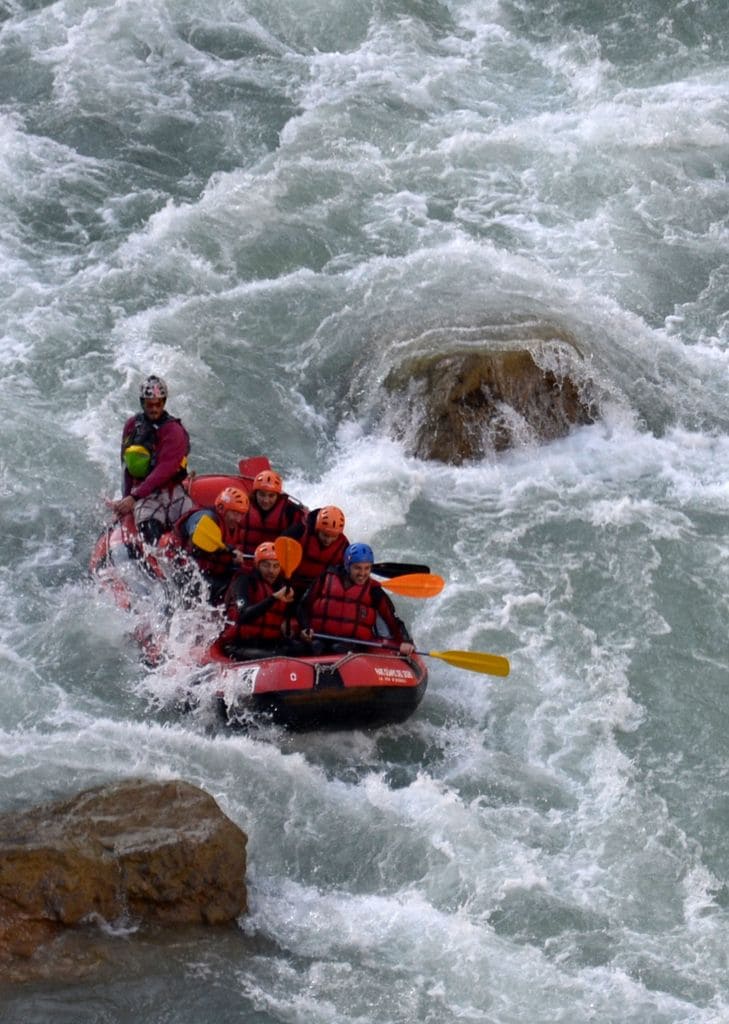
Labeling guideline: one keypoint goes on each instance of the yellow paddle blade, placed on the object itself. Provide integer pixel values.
(474, 661)
(417, 584)
(207, 535)
(289, 554)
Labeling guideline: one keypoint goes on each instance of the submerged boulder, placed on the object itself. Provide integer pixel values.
(461, 405)
(128, 854)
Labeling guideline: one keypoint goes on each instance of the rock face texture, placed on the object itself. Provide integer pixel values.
(132, 853)
(461, 405)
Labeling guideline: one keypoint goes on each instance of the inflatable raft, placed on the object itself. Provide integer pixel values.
(358, 688)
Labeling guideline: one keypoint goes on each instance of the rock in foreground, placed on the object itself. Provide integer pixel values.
(131, 853)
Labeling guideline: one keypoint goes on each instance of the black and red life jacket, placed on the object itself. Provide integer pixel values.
(145, 433)
(266, 627)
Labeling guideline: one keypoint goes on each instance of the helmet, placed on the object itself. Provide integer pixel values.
(152, 387)
(330, 519)
(358, 553)
(265, 552)
(137, 459)
(231, 499)
(268, 481)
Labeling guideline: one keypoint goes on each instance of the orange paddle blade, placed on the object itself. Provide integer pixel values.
(417, 584)
(289, 554)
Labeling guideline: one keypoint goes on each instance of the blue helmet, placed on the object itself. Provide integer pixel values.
(358, 553)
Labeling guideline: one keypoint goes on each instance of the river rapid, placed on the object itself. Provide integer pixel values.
(272, 204)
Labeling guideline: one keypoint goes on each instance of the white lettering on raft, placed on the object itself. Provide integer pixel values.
(393, 673)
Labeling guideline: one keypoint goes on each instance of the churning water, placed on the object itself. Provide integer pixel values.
(272, 204)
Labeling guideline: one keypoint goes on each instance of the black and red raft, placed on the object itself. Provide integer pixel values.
(349, 690)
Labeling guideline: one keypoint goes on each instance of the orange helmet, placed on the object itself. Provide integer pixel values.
(231, 499)
(330, 519)
(267, 480)
(265, 552)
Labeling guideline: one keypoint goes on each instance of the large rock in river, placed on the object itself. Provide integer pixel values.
(131, 853)
(460, 405)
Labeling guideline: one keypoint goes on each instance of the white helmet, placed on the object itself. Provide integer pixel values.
(152, 387)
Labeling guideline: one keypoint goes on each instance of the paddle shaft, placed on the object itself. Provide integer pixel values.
(365, 643)
(472, 661)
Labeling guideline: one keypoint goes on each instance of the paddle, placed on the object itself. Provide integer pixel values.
(289, 554)
(251, 467)
(208, 536)
(473, 661)
(416, 584)
(398, 568)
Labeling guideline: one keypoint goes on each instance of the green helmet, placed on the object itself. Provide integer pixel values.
(137, 459)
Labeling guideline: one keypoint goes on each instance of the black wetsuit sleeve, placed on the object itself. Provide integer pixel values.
(238, 607)
(386, 610)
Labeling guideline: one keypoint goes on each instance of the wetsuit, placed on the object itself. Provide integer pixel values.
(255, 616)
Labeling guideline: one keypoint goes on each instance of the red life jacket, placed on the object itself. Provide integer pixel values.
(266, 627)
(316, 558)
(343, 608)
(259, 526)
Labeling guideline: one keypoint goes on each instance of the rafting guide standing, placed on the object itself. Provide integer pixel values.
(154, 450)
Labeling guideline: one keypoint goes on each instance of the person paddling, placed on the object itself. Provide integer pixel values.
(154, 451)
(216, 566)
(346, 602)
(259, 606)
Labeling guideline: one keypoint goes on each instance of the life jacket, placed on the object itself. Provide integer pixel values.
(139, 447)
(265, 627)
(343, 608)
(316, 558)
(259, 526)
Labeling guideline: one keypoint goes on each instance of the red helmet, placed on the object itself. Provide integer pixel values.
(265, 552)
(268, 481)
(231, 499)
(330, 519)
